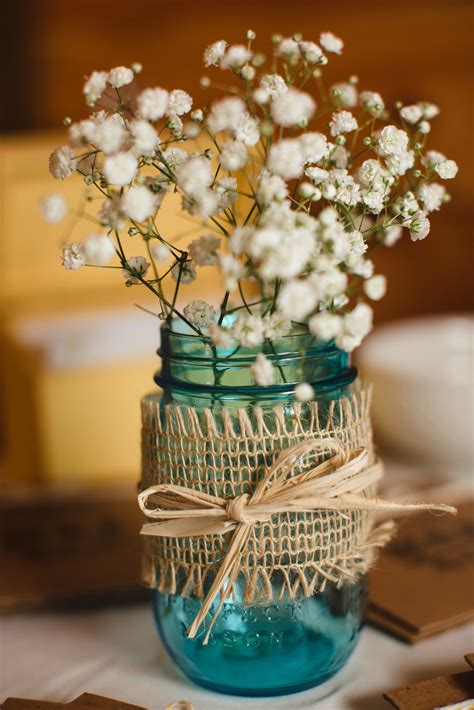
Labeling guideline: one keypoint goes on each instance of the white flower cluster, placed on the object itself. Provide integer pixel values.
(290, 195)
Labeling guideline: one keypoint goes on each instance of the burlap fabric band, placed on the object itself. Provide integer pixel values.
(283, 501)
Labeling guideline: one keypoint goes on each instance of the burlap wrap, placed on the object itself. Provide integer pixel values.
(224, 455)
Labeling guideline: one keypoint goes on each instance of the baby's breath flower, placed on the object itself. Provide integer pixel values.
(304, 392)
(235, 57)
(446, 169)
(146, 139)
(179, 103)
(411, 114)
(288, 48)
(393, 141)
(184, 273)
(342, 122)
(247, 131)
(274, 85)
(325, 325)
(372, 102)
(138, 203)
(314, 146)
(331, 43)
(120, 169)
(271, 188)
(424, 127)
(98, 249)
(231, 270)
(73, 256)
(95, 86)
(203, 251)
(429, 110)
(233, 155)
(214, 53)
(391, 235)
(120, 76)
(375, 287)
(152, 103)
(226, 114)
(292, 108)
(344, 95)
(62, 162)
(297, 299)
(249, 330)
(431, 196)
(136, 266)
(53, 208)
(199, 313)
(248, 73)
(286, 158)
(160, 252)
(355, 326)
(220, 337)
(311, 52)
(263, 371)
(276, 326)
(194, 175)
(419, 226)
(109, 134)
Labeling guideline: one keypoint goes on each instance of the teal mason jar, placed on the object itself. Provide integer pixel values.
(285, 643)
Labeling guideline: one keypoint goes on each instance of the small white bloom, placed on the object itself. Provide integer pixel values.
(288, 48)
(286, 158)
(203, 204)
(308, 191)
(138, 203)
(429, 110)
(73, 256)
(110, 134)
(342, 122)
(120, 169)
(431, 196)
(274, 85)
(153, 103)
(172, 158)
(226, 190)
(235, 57)
(95, 86)
(433, 157)
(393, 140)
(292, 108)
(344, 94)
(314, 146)
(297, 299)
(120, 76)
(179, 103)
(356, 325)
(53, 208)
(325, 325)
(226, 114)
(263, 371)
(311, 52)
(145, 138)
(199, 313)
(317, 175)
(261, 96)
(399, 163)
(331, 43)
(247, 131)
(194, 175)
(372, 102)
(304, 392)
(136, 266)
(98, 249)
(184, 273)
(276, 326)
(419, 226)
(411, 114)
(392, 234)
(446, 169)
(271, 188)
(214, 53)
(220, 337)
(424, 127)
(203, 251)
(62, 162)
(249, 330)
(376, 287)
(233, 155)
(159, 251)
(231, 269)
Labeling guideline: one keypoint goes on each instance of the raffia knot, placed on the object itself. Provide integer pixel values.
(236, 509)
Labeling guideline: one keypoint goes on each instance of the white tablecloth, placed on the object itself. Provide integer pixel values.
(117, 653)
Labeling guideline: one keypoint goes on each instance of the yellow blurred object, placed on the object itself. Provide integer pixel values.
(77, 356)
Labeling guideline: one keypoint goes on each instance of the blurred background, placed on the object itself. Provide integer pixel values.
(76, 355)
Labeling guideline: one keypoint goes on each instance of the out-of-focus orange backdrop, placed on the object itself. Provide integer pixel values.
(405, 50)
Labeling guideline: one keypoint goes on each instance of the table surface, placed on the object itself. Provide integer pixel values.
(117, 653)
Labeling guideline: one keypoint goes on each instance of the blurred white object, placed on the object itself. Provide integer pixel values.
(423, 376)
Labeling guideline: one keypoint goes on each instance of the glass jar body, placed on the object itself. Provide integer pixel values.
(292, 642)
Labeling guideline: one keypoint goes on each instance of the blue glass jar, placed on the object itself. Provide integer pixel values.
(287, 645)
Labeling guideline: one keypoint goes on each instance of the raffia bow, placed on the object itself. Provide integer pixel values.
(333, 484)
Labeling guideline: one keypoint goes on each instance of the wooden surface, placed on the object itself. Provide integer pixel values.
(405, 50)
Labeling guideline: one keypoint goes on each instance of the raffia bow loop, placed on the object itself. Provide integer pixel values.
(338, 482)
